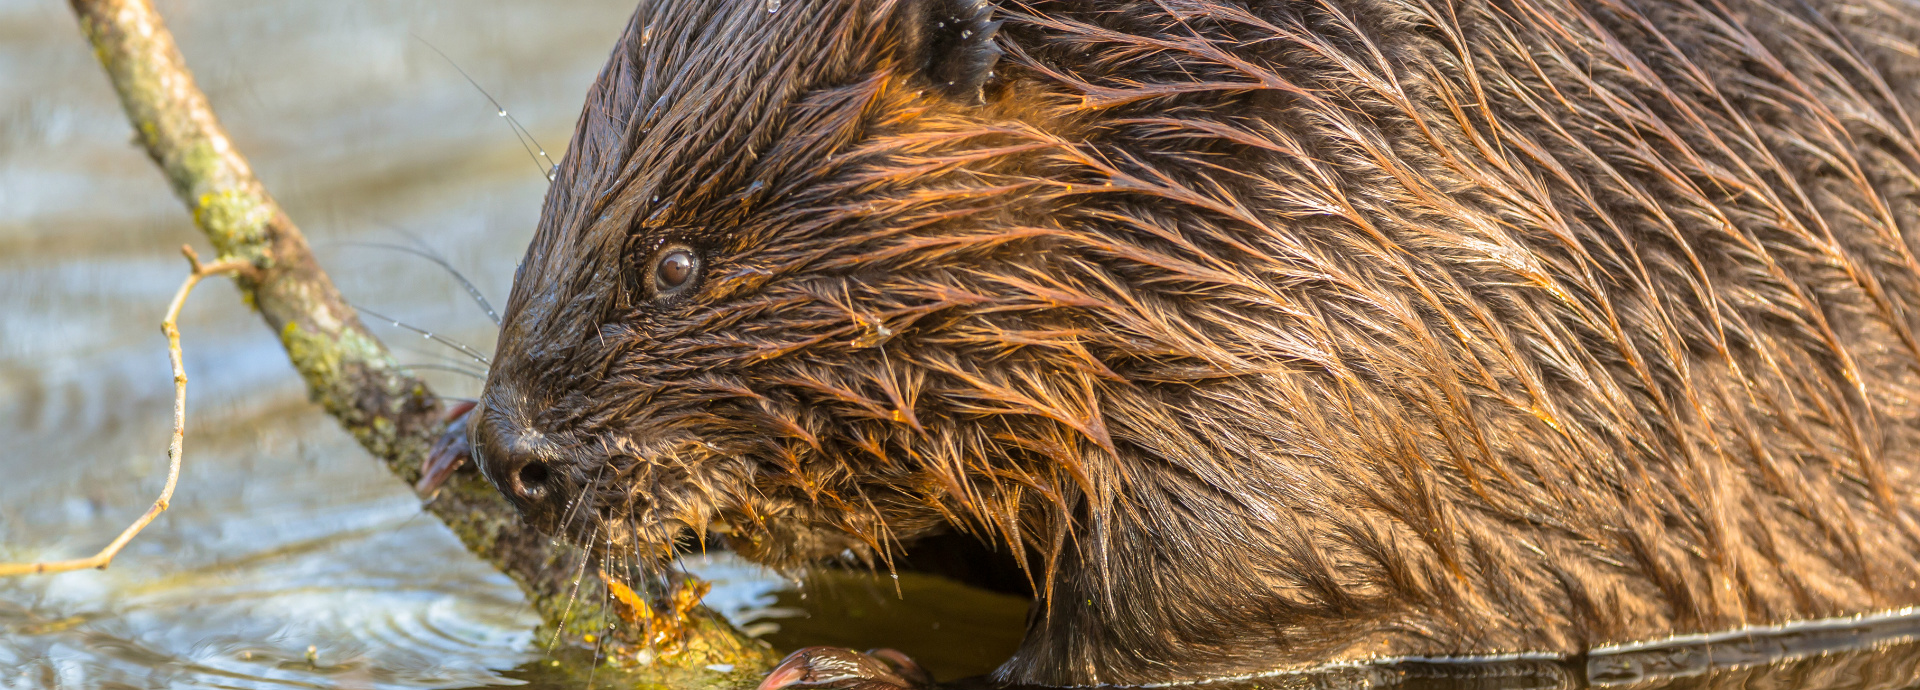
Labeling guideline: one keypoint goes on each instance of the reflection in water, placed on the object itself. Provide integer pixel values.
(289, 559)
(1868, 653)
(953, 632)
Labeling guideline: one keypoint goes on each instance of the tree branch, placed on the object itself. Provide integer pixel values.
(347, 370)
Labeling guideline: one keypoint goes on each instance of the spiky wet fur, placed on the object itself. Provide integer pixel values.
(1268, 332)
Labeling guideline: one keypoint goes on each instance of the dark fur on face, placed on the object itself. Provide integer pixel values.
(1267, 332)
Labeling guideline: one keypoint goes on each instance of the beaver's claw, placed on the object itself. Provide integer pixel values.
(449, 453)
(845, 669)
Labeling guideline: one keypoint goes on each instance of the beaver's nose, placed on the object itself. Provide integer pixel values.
(514, 463)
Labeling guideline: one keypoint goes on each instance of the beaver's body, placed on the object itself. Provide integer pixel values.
(1270, 332)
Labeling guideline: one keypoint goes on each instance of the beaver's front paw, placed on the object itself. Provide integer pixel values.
(845, 669)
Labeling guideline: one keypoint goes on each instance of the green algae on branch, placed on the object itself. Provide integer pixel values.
(236, 222)
(348, 371)
(371, 408)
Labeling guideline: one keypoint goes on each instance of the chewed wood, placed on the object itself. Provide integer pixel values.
(1268, 333)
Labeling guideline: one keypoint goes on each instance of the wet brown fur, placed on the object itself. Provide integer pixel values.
(1269, 332)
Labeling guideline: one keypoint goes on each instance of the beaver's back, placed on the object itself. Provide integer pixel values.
(1599, 317)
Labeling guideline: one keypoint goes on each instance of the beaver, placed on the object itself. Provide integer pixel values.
(1261, 333)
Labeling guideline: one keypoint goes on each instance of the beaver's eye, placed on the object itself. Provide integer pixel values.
(674, 270)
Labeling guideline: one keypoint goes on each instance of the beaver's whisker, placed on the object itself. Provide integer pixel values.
(472, 290)
(573, 595)
(443, 340)
(447, 368)
(585, 497)
(598, 641)
(520, 132)
(566, 521)
(573, 504)
(438, 356)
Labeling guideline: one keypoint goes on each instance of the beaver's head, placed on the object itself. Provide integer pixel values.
(768, 293)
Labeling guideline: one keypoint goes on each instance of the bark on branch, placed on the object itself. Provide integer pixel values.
(347, 370)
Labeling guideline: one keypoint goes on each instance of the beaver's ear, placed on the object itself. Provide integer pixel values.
(951, 44)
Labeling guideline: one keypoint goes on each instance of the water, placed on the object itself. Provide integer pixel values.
(290, 559)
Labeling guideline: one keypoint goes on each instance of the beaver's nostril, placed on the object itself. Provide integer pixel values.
(521, 464)
(533, 479)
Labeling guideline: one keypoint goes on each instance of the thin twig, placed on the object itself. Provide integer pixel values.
(171, 327)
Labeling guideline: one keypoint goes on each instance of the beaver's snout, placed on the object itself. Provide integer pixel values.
(519, 462)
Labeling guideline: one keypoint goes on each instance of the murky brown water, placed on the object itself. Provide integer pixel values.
(289, 558)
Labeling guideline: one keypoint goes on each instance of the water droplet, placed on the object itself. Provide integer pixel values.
(773, 6)
(968, 33)
(503, 112)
